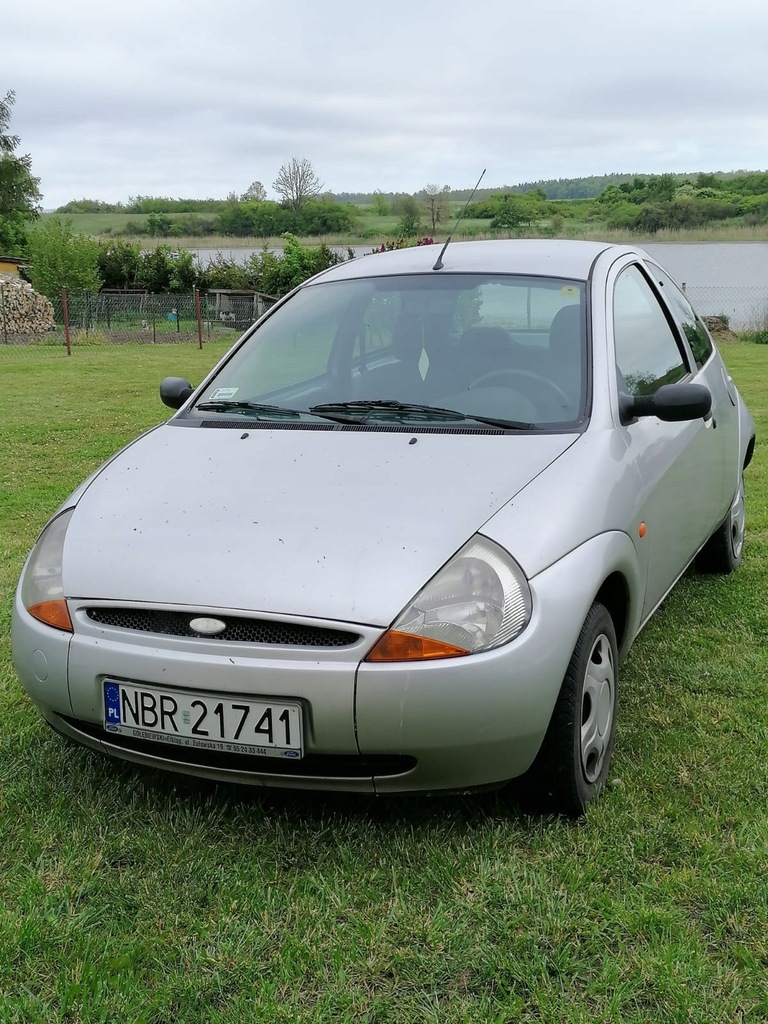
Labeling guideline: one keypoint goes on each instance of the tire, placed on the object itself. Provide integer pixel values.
(724, 550)
(572, 766)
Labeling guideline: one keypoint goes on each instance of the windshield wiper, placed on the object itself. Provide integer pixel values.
(495, 421)
(231, 405)
(422, 412)
(412, 411)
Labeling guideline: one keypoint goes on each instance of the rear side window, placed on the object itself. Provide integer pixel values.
(693, 328)
(647, 351)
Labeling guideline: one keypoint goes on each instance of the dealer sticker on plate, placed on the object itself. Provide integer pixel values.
(228, 724)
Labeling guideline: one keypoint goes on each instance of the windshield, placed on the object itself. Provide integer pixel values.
(495, 348)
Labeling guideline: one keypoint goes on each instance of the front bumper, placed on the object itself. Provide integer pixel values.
(450, 724)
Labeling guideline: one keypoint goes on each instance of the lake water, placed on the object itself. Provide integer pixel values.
(715, 264)
(728, 278)
(721, 278)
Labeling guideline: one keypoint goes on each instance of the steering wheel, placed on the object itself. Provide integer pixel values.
(525, 380)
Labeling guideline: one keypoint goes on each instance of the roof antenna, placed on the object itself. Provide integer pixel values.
(439, 261)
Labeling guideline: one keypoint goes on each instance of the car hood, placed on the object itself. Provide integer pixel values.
(336, 524)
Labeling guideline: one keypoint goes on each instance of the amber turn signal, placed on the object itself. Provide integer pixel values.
(52, 613)
(396, 646)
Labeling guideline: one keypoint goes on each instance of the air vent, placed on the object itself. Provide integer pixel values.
(389, 428)
(249, 423)
(238, 629)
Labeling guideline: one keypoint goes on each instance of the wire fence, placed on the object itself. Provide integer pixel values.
(744, 307)
(75, 320)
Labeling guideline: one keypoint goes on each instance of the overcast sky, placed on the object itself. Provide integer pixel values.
(190, 99)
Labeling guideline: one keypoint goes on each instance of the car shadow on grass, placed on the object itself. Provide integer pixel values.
(235, 806)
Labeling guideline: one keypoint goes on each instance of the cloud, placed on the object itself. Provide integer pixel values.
(182, 98)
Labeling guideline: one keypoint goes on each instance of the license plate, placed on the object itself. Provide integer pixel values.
(227, 724)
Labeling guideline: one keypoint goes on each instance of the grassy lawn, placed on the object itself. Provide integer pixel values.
(133, 897)
(372, 229)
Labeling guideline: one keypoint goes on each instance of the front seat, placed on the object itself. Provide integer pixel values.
(566, 349)
(400, 377)
(484, 349)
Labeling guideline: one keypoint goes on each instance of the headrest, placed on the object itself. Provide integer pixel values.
(565, 331)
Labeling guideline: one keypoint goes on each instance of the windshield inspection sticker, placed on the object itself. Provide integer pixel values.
(220, 393)
(569, 290)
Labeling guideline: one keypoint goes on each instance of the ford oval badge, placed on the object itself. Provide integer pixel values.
(208, 627)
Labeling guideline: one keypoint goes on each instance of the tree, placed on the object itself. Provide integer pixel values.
(322, 217)
(379, 203)
(159, 225)
(255, 193)
(297, 182)
(509, 212)
(408, 209)
(119, 263)
(437, 202)
(60, 258)
(19, 191)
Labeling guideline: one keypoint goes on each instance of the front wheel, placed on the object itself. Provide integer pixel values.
(572, 766)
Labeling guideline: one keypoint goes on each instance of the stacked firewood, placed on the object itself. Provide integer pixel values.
(22, 309)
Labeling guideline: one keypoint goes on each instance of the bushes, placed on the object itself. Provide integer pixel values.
(759, 337)
(272, 273)
(61, 257)
(267, 219)
(119, 264)
(164, 269)
(277, 274)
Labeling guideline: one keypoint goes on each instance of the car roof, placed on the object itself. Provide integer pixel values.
(528, 256)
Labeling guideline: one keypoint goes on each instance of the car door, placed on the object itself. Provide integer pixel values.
(710, 371)
(678, 463)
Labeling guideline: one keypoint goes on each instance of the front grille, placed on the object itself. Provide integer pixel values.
(238, 628)
(329, 766)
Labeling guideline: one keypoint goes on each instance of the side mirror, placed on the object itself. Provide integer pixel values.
(672, 403)
(174, 391)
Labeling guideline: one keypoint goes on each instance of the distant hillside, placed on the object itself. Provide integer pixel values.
(560, 188)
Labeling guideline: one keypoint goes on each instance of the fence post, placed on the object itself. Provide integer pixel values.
(2, 311)
(199, 320)
(65, 315)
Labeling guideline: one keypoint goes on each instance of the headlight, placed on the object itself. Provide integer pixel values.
(480, 599)
(42, 593)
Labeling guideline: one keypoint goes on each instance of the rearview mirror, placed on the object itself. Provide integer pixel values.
(672, 403)
(174, 391)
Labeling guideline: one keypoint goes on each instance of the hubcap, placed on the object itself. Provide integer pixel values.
(738, 522)
(597, 708)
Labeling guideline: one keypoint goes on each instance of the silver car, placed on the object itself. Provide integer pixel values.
(403, 534)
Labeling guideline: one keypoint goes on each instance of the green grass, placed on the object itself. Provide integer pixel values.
(129, 896)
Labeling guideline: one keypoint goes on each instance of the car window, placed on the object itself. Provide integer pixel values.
(647, 352)
(502, 346)
(695, 331)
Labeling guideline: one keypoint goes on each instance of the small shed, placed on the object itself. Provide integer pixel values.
(238, 308)
(10, 265)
